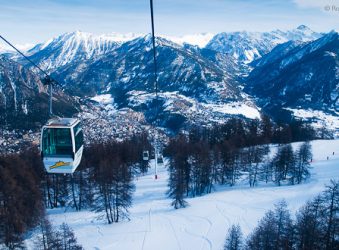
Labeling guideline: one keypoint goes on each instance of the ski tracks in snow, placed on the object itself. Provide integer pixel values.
(173, 230)
(149, 228)
(228, 221)
(207, 240)
(204, 237)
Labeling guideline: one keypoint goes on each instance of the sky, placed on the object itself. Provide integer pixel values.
(33, 21)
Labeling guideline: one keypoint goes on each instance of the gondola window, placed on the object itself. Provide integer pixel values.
(57, 141)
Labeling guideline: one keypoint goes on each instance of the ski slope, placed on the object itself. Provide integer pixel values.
(204, 223)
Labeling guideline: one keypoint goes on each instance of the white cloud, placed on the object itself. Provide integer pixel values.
(316, 3)
(22, 47)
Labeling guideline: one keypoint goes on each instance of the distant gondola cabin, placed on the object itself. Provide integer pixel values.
(61, 145)
(160, 159)
(145, 155)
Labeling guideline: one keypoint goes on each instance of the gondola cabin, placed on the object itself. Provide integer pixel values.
(61, 145)
(160, 159)
(145, 155)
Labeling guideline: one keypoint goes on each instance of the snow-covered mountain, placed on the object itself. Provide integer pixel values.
(242, 46)
(189, 83)
(248, 46)
(17, 84)
(72, 47)
(123, 67)
(130, 67)
(298, 75)
(301, 33)
(195, 81)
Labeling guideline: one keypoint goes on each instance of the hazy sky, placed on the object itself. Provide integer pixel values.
(32, 21)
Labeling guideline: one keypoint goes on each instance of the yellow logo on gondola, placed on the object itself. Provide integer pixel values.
(59, 164)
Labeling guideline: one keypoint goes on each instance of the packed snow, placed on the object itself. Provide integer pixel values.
(172, 99)
(236, 108)
(106, 101)
(319, 119)
(154, 224)
(103, 99)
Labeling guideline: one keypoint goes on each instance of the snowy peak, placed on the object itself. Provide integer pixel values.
(80, 46)
(248, 46)
(301, 33)
(130, 67)
(303, 27)
(70, 47)
(243, 46)
(306, 31)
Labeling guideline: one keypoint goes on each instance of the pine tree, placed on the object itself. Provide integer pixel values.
(317, 221)
(201, 174)
(180, 171)
(231, 165)
(234, 238)
(309, 225)
(274, 231)
(284, 226)
(283, 162)
(303, 158)
(113, 178)
(262, 236)
(20, 197)
(267, 129)
(252, 157)
(48, 238)
(177, 188)
(330, 211)
(68, 239)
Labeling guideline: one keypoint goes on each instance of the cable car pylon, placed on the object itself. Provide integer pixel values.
(156, 95)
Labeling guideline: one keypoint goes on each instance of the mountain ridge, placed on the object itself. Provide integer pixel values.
(193, 81)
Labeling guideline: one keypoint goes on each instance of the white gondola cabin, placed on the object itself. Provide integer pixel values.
(61, 145)
(145, 155)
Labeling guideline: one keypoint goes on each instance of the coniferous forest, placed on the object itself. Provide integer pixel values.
(198, 160)
(236, 151)
(314, 226)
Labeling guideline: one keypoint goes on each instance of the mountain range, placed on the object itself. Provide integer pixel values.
(263, 71)
(298, 74)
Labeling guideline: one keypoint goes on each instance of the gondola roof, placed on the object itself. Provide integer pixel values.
(62, 122)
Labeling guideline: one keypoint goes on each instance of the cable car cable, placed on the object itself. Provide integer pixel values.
(63, 159)
(156, 91)
(154, 59)
(49, 79)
